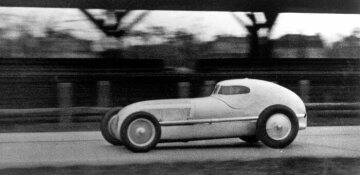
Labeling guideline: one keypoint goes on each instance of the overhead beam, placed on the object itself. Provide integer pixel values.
(115, 30)
(301, 6)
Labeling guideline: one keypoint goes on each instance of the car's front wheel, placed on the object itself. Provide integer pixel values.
(140, 132)
(277, 126)
(105, 127)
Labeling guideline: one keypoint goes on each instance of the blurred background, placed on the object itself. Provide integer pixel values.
(55, 59)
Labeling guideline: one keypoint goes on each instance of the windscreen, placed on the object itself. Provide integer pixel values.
(232, 90)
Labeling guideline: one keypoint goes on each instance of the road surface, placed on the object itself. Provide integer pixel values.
(89, 148)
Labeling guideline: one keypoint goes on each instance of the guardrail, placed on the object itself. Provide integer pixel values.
(94, 114)
(53, 111)
(52, 115)
(333, 106)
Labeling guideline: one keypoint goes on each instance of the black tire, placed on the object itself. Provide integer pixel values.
(149, 119)
(249, 139)
(262, 133)
(104, 127)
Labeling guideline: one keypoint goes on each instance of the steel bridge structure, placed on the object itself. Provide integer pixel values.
(280, 6)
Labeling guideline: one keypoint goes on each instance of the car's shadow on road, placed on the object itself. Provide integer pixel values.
(110, 149)
(205, 145)
(208, 146)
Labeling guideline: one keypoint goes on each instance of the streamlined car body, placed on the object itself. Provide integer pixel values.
(246, 108)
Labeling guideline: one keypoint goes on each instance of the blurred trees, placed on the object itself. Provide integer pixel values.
(28, 36)
(348, 47)
(178, 48)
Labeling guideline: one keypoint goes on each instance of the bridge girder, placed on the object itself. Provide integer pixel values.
(296, 6)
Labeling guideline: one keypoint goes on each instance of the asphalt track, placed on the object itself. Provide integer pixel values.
(89, 148)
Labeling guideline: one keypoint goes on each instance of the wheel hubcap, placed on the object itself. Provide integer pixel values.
(278, 126)
(112, 125)
(141, 132)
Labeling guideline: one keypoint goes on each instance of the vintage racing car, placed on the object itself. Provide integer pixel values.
(249, 109)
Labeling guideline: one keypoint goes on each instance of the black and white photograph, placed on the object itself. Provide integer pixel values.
(178, 87)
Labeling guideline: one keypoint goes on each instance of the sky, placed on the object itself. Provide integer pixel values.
(206, 25)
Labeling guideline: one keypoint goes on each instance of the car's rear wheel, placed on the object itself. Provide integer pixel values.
(140, 132)
(249, 139)
(106, 127)
(277, 126)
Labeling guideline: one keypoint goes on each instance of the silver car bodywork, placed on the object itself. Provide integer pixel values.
(216, 116)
